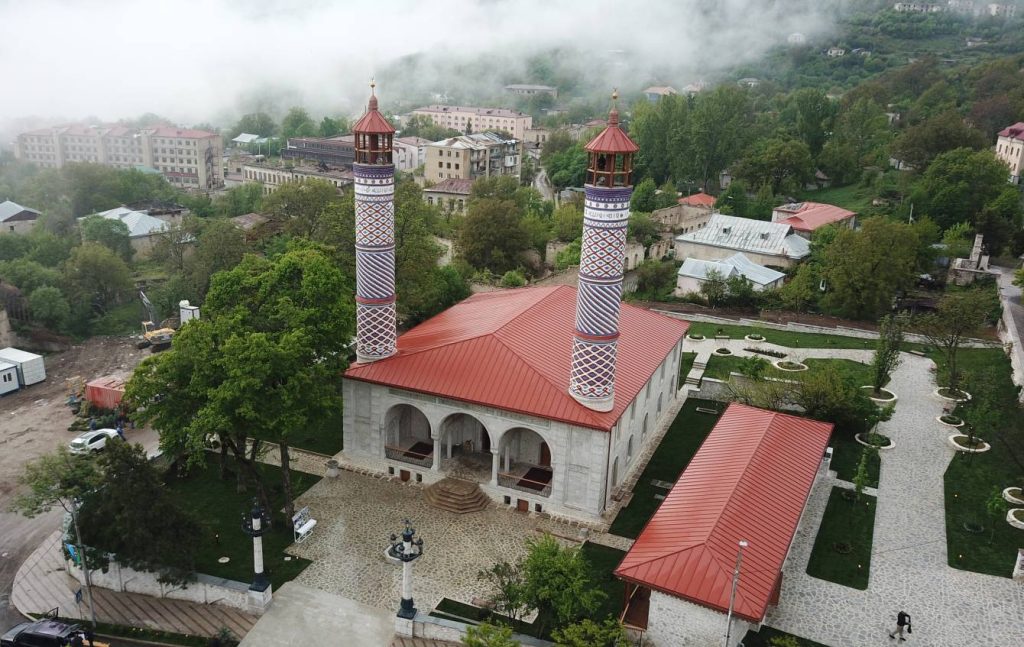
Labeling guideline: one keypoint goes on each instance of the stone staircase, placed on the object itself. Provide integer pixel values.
(696, 371)
(456, 495)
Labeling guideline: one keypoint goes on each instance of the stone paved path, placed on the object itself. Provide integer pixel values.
(908, 565)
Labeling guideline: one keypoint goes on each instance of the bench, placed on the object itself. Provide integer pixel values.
(713, 412)
(303, 525)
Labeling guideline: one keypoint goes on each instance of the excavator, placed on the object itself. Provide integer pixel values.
(155, 337)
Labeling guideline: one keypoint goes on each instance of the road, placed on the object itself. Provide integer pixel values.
(542, 184)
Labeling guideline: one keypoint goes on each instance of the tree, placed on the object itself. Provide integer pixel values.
(219, 246)
(714, 288)
(49, 307)
(567, 168)
(423, 126)
(567, 222)
(865, 269)
(299, 205)
(587, 633)
(570, 256)
(957, 240)
(173, 245)
(28, 275)
(654, 278)
(887, 351)
(158, 536)
(491, 235)
(814, 112)
(957, 317)
(643, 196)
(331, 126)
(785, 165)
(508, 596)
(557, 583)
(513, 279)
(255, 123)
(297, 123)
(734, 200)
(716, 131)
(861, 478)
(95, 277)
(959, 184)
(112, 234)
(996, 506)
(643, 229)
(801, 292)
(860, 138)
(239, 200)
(920, 144)
(488, 635)
(826, 394)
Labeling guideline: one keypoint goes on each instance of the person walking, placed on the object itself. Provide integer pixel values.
(902, 623)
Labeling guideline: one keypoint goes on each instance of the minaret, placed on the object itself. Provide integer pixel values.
(608, 189)
(375, 235)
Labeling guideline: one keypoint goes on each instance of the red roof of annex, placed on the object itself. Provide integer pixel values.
(512, 350)
(809, 216)
(699, 199)
(749, 480)
(1016, 131)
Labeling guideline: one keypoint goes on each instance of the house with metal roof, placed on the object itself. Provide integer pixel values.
(693, 273)
(807, 217)
(479, 392)
(16, 219)
(143, 229)
(737, 505)
(772, 244)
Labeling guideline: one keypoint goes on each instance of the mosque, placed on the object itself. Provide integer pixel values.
(541, 399)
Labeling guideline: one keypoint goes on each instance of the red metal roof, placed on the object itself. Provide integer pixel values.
(808, 216)
(512, 349)
(373, 123)
(1016, 131)
(612, 139)
(749, 480)
(699, 199)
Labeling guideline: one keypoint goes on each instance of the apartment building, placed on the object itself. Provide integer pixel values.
(471, 157)
(409, 153)
(188, 158)
(1010, 149)
(526, 90)
(478, 119)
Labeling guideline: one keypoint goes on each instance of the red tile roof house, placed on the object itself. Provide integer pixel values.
(806, 217)
(750, 480)
(481, 391)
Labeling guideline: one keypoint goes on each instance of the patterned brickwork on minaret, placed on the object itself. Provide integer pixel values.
(376, 324)
(602, 260)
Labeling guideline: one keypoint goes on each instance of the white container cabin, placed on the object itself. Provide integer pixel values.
(29, 365)
(8, 377)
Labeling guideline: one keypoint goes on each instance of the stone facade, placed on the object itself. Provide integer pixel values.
(673, 622)
(683, 218)
(587, 464)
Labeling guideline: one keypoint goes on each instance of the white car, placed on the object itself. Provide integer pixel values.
(92, 441)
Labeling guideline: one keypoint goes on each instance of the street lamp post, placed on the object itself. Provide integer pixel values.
(255, 523)
(732, 596)
(406, 549)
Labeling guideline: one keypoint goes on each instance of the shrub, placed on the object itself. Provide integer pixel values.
(513, 279)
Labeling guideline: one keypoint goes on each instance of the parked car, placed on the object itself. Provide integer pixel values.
(46, 633)
(92, 441)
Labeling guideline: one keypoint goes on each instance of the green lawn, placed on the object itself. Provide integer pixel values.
(844, 522)
(219, 509)
(680, 443)
(846, 456)
(720, 366)
(781, 337)
(763, 638)
(859, 373)
(603, 560)
(685, 364)
(853, 197)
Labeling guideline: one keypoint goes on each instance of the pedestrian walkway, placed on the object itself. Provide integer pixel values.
(42, 584)
(908, 565)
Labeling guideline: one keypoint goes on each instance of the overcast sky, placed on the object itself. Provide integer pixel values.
(197, 60)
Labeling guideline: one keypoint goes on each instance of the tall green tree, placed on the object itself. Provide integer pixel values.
(297, 123)
(958, 316)
(860, 139)
(782, 164)
(959, 184)
(255, 123)
(587, 633)
(96, 278)
(112, 234)
(887, 350)
(813, 117)
(642, 199)
(298, 206)
(49, 307)
(717, 131)
(918, 145)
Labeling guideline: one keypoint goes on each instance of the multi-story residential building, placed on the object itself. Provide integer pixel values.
(188, 158)
(478, 119)
(409, 152)
(1010, 149)
(471, 157)
(917, 7)
(531, 90)
(336, 151)
(273, 177)
(450, 196)
(1002, 10)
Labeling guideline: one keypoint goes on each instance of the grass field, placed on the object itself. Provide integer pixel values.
(219, 509)
(603, 560)
(846, 456)
(780, 337)
(853, 197)
(845, 522)
(680, 443)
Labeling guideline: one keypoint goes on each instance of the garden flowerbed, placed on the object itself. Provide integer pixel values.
(790, 366)
(754, 337)
(953, 395)
(1014, 495)
(723, 351)
(879, 441)
(1015, 518)
(883, 396)
(695, 337)
(961, 442)
(951, 420)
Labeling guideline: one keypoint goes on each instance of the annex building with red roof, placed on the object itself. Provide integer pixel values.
(806, 217)
(690, 213)
(749, 481)
(480, 392)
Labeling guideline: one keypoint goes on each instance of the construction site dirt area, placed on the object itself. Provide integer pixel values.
(34, 420)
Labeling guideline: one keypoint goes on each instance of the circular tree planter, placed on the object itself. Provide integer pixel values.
(695, 337)
(754, 338)
(723, 351)
(951, 421)
(792, 367)
(863, 440)
(1015, 517)
(952, 396)
(973, 528)
(1014, 495)
(884, 396)
(959, 443)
